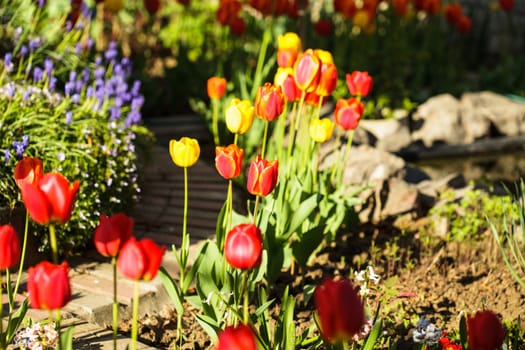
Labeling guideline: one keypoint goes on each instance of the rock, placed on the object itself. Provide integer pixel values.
(475, 122)
(385, 134)
(440, 121)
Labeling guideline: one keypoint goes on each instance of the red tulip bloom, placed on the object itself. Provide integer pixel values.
(269, 102)
(324, 27)
(262, 176)
(9, 247)
(243, 246)
(347, 8)
(140, 260)
(237, 338)
(51, 199)
(506, 5)
(228, 10)
(152, 6)
(228, 161)
(464, 24)
(28, 170)
(111, 233)
(327, 80)
(485, 331)
(48, 286)
(340, 310)
(216, 87)
(453, 12)
(284, 78)
(306, 70)
(237, 26)
(348, 113)
(400, 7)
(359, 83)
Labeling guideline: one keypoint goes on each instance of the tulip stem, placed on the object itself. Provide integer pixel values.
(255, 210)
(292, 132)
(246, 315)
(134, 325)
(2, 345)
(58, 319)
(215, 121)
(22, 256)
(115, 304)
(345, 158)
(265, 136)
(53, 242)
(230, 208)
(257, 79)
(337, 151)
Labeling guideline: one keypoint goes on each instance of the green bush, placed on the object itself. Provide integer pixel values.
(71, 108)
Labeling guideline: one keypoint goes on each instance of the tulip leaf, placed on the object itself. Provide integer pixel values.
(303, 211)
(16, 320)
(307, 244)
(209, 325)
(195, 266)
(463, 336)
(172, 289)
(373, 335)
(66, 339)
(221, 226)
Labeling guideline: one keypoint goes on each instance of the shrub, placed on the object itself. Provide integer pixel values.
(72, 108)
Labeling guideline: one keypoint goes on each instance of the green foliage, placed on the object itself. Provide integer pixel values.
(72, 109)
(467, 216)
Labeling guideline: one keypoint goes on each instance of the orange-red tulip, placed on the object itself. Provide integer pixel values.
(453, 12)
(51, 199)
(284, 79)
(506, 5)
(29, 170)
(324, 27)
(140, 260)
(262, 176)
(216, 87)
(340, 310)
(243, 246)
(306, 71)
(464, 24)
(347, 8)
(228, 161)
(484, 331)
(269, 102)
(48, 286)
(111, 233)
(152, 6)
(327, 80)
(237, 338)
(359, 83)
(348, 113)
(9, 247)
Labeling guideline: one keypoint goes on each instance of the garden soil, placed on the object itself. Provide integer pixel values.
(439, 281)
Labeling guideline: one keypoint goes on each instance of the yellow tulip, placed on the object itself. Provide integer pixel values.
(325, 56)
(321, 129)
(289, 40)
(113, 6)
(239, 116)
(185, 152)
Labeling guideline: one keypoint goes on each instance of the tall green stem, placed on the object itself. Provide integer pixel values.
(23, 255)
(135, 316)
(265, 136)
(337, 151)
(255, 210)
(257, 79)
(58, 320)
(115, 303)
(2, 345)
(246, 304)
(215, 120)
(345, 159)
(53, 242)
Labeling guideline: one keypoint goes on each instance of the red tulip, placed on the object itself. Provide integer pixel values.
(243, 246)
(262, 176)
(216, 87)
(506, 5)
(400, 7)
(28, 170)
(340, 310)
(228, 161)
(237, 26)
(347, 8)
(48, 286)
(228, 10)
(324, 27)
(152, 6)
(51, 199)
(237, 338)
(348, 113)
(359, 83)
(269, 102)
(327, 80)
(111, 233)
(284, 78)
(9, 247)
(453, 12)
(464, 24)
(140, 260)
(485, 331)
(306, 71)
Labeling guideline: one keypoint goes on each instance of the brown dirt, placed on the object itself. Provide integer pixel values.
(440, 281)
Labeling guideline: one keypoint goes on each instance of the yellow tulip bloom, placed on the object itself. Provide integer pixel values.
(185, 152)
(321, 129)
(239, 116)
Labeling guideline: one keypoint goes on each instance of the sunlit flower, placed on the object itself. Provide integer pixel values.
(239, 116)
(184, 152)
(484, 331)
(321, 129)
(306, 70)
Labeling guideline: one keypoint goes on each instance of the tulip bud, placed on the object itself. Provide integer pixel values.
(348, 113)
(185, 152)
(306, 70)
(140, 260)
(359, 83)
(269, 102)
(152, 6)
(9, 247)
(284, 79)
(262, 176)
(484, 331)
(228, 161)
(216, 87)
(239, 116)
(340, 310)
(48, 286)
(321, 129)
(243, 246)
(237, 338)
(51, 199)
(288, 48)
(111, 233)
(28, 170)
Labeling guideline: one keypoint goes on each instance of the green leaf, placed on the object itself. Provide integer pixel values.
(172, 289)
(301, 214)
(374, 334)
(209, 325)
(16, 320)
(463, 337)
(195, 267)
(307, 244)
(66, 339)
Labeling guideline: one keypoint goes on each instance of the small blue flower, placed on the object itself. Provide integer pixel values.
(48, 66)
(25, 140)
(111, 53)
(8, 62)
(7, 156)
(69, 117)
(23, 50)
(38, 74)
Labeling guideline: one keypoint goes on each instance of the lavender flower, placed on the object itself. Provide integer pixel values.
(35, 44)
(38, 74)
(48, 66)
(111, 53)
(69, 117)
(23, 50)
(7, 156)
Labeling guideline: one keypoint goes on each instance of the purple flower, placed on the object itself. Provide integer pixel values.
(135, 89)
(89, 44)
(99, 73)
(89, 92)
(78, 48)
(52, 83)
(137, 102)
(85, 75)
(38, 74)
(8, 61)
(133, 117)
(7, 156)
(34, 44)
(69, 117)
(19, 149)
(72, 75)
(25, 140)
(98, 60)
(48, 66)
(111, 53)
(114, 113)
(69, 88)
(76, 99)
(41, 3)
(23, 51)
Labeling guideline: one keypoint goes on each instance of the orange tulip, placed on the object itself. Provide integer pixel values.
(269, 102)
(348, 113)
(306, 71)
(216, 87)
(228, 161)
(327, 80)
(284, 79)
(262, 176)
(28, 170)
(359, 83)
